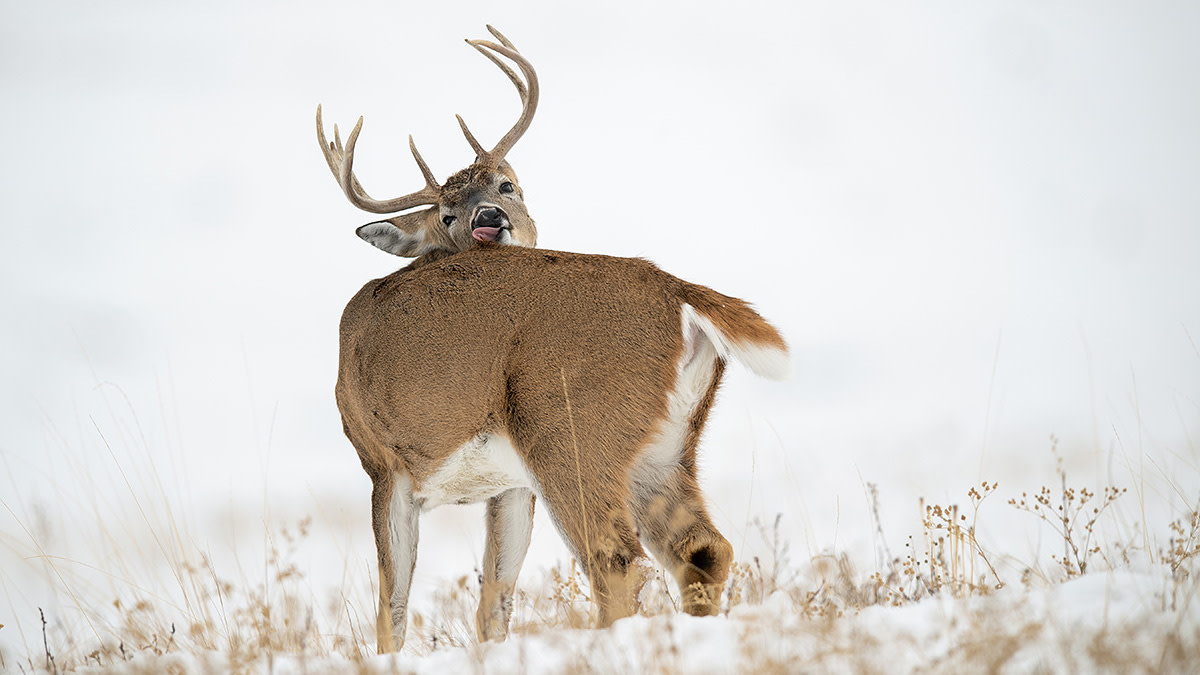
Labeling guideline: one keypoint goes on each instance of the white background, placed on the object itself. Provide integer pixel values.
(977, 224)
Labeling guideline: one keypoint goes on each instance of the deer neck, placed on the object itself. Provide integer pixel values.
(427, 258)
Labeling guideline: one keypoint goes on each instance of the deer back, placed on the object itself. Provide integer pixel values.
(483, 341)
(530, 345)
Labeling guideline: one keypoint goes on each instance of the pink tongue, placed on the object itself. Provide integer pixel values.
(486, 233)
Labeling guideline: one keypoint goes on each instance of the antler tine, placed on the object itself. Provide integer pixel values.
(341, 162)
(333, 151)
(479, 151)
(346, 177)
(529, 100)
(512, 75)
(430, 181)
(503, 40)
(326, 147)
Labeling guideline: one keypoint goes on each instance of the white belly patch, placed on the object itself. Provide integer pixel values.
(483, 468)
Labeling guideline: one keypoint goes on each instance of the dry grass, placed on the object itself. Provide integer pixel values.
(821, 609)
(246, 623)
(824, 597)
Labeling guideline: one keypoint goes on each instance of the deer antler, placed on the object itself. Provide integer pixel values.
(341, 163)
(341, 158)
(527, 90)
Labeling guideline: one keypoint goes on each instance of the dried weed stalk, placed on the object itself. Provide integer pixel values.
(1072, 514)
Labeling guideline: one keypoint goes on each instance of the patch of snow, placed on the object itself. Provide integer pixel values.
(1101, 621)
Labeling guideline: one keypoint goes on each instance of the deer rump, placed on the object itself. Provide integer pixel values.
(556, 351)
(586, 378)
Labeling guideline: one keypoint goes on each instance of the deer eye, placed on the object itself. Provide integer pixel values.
(448, 220)
(507, 187)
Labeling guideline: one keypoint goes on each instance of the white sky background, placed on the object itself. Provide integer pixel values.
(976, 223)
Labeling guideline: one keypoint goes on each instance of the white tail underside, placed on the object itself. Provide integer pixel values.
(767, 361)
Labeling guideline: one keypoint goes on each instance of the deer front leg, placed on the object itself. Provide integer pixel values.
(394, 517)
(509, 525)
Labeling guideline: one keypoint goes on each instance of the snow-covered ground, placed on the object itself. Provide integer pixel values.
(1132, 621)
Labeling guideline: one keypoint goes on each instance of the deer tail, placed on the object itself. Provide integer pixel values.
(735, 330)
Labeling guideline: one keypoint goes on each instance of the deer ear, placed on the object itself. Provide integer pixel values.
(405, 236)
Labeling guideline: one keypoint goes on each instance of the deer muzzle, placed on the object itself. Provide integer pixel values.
(488, 222)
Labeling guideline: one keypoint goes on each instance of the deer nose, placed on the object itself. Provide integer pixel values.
(488, 217)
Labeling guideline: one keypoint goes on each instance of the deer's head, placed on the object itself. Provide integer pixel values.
(483, 202)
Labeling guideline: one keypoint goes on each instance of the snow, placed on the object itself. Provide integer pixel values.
(1102, 622)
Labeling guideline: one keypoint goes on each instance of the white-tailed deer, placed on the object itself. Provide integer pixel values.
(483, 372)
(483, 202)
(499, 373)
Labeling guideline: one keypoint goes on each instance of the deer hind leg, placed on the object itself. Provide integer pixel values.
(590, 507)
(674, 523)
(394, 518)
(665, 494)
(509, 524)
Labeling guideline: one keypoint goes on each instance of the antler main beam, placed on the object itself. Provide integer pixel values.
(527, 90)
(341, 162)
